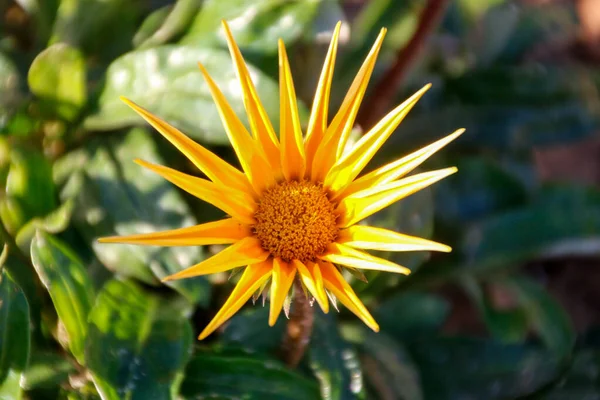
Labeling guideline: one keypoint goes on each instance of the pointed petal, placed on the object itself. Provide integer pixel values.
(257, 116)
(331, 147)
(372, 238)
(397, 169)
(224, 231)
(237, 204)
(252, 159)
(252, 279)
(293, 161)
(335, 283)
(209, 163)
(345, 255)
(310, 274)
(352, 163)
(361, 204)
(246, 251)
(283, 277)
(317, 124)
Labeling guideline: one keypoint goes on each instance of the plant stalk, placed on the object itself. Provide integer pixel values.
(299, 327)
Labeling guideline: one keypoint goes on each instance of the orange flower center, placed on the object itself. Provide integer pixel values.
(296, 221)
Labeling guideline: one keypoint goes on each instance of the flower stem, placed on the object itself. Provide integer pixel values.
(299, 327)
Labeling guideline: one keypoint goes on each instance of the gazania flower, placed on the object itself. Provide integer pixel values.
(295, 207)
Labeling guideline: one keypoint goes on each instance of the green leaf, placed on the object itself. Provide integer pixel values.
(458, 367)
(55, 222)
(545, 314)
(166, 80)
(46, 370)
(250, 329)
(151, 24)
(581, 380)
(58, 77)
(256, 25)
(118, 197)
(389, 369)
(30, 183)
(480, 189)
(408, 315)
(334, 362)
(9, 89)
(14, 337)
(138, 343)
(210, 375)
(103, 27)
(174, 23)
(510, 326)
(69, 285)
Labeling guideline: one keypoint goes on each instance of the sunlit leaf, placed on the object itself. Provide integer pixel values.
(14, 337)
(70, 287)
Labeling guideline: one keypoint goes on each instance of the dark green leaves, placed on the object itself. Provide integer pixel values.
(451, 368)
(229, 376)
(166, 80)
(69, 286)
(137, 344)
(14, 337)
(334, 362)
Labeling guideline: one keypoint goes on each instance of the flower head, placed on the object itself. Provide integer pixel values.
(294, 207)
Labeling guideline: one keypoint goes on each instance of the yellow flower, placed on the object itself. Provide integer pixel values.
(295, 208)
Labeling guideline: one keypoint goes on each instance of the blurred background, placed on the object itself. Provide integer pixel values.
(512, 313)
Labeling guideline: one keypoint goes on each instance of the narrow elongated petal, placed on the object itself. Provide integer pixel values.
(362, 204)
(237, 204)
(224, 231)
(252, 279)
(319, 114)
(372, 238)
(352, 163)
(397, 169)
(333, 143)
(245, 252)
(310, 274)
(209, 163)
(253, 161)
(293, 161)
(281, 282)
(261, 127)
(335, 283)
(345, 255)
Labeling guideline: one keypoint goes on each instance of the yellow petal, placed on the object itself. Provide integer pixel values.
(352, 163)
(209, 163)
(345, 255)
(246, 251)
(253, 161)
(335, 283)
(333, 143)
(257, 116)
(293, 162)
(397, 169)
(224, 231)
(237, 204)
(252, 279)
(281, 282)
(372, 238)
(360, 205)
(310, 274)
(317, 124)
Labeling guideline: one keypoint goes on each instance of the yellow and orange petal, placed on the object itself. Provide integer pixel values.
(294, 207)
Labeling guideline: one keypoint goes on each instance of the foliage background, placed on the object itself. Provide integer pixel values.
(512, 313)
